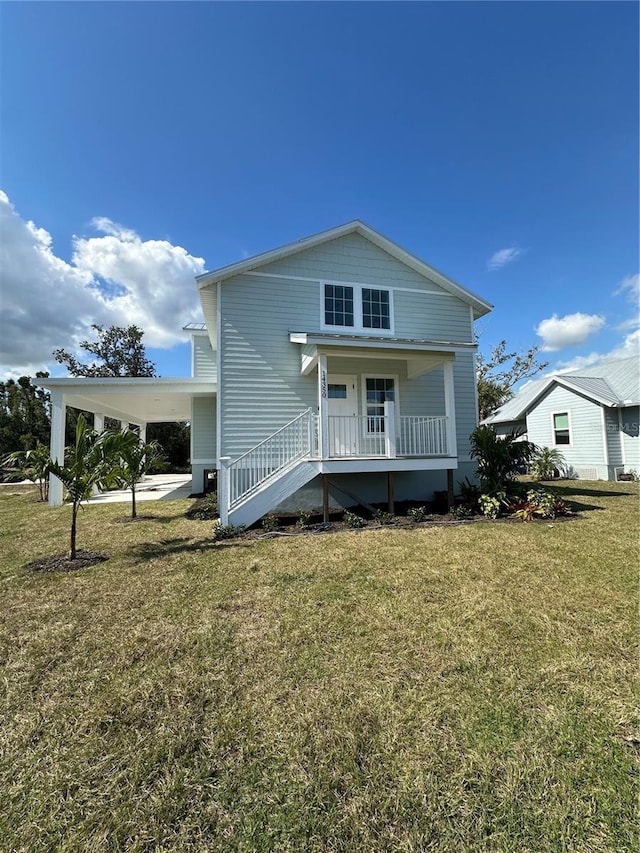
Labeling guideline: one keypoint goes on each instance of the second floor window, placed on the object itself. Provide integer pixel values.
(356, 307)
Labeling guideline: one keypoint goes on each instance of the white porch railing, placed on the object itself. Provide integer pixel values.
(422, 436)
(382, 436)
(244, 475)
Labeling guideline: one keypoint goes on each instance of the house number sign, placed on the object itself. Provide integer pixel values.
(323, 385)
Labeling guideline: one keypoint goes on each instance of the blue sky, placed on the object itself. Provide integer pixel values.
(145, 142)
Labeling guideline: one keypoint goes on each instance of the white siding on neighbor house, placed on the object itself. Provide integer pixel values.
(585, 418)
(614, 438)
(630, 437)
(204, 358)
(203, 429)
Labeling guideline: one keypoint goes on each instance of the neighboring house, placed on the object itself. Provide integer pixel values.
(339, 364)
(591, 415)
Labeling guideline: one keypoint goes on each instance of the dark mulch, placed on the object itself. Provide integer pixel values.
(62, 563)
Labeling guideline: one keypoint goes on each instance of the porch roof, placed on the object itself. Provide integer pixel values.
(421, 355)
(132, 400)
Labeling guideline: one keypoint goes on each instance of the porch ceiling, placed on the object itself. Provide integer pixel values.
(137, 401)
(419, 356)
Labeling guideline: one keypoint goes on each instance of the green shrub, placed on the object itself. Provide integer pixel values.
(226, 531)
(205, 508)
(383, 517)
(461, 511)
(417, 514)
(303, 521)
(353, 520)
(490, 504)
(546, 463)
(270, 523)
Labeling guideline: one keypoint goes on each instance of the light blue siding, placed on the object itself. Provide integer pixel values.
(630, 437)
(586, 450)
(204, 358)
(203, 428)
(260, 384)
(614, 438)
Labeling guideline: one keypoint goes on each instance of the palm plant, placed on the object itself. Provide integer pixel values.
(545, 462)
(33, 465)
(133, 459)
(87, 464)
(499, 457)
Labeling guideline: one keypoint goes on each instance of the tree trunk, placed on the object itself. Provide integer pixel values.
(133, 500)
(72, 543)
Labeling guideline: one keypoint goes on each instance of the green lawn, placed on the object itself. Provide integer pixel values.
(464, 688)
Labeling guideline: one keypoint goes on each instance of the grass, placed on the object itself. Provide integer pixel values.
(440, 689)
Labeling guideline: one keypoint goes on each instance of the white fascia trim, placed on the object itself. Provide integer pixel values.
(380, 343)
(481, 307)
(353, 466)
(130, 384)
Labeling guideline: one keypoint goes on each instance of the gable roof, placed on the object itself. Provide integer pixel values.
(479, 305)
(614, 383)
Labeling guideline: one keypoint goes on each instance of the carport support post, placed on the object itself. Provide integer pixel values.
(98, 422)
(56, 448)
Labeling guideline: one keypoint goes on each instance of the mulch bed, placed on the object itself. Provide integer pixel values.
(62, 563)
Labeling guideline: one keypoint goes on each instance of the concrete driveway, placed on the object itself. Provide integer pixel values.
(154, 487)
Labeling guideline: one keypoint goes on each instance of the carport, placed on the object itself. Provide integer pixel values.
(137, 401)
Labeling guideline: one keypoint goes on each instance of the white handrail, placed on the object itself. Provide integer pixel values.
(246, 473)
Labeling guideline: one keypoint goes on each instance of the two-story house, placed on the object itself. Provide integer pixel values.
(339, 365)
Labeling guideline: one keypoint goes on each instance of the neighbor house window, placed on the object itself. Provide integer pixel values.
(561, 433)
(338, 305)
(378, 391)
(359, 308)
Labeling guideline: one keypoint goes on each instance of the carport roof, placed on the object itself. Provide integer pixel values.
(134, 400)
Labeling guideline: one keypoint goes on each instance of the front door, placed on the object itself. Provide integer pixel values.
(342, 406)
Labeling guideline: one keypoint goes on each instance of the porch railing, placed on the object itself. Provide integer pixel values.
(418, 436)
(295, 440)
(381, 436)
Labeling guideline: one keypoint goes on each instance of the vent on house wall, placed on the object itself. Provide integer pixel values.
(585, 473)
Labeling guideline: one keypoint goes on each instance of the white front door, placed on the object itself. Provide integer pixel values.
(342, 406)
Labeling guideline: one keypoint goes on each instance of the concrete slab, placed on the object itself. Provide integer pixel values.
(154, 487)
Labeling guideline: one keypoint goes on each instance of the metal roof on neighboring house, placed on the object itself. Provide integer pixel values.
(613, 382)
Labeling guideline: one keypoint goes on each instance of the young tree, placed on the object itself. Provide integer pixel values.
(497, 375)
(87, 463)
(34, 465)
(133, 459)
(119, 350)
(499, 457)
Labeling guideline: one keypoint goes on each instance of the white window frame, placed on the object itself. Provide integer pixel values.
(358, 327)
(566, 412)
(363, 393)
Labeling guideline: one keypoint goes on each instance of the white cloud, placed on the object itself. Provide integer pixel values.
(113, 279)
(630, 286)
(571, 330)
(503, 257)
(628, 348)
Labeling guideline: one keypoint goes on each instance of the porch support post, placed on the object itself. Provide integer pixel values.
(390, 500)
(56, 448)
(224, 489)
(98, 422)
(449, 489)
(143, 433)
(450, 409)
(325, 498)
(390, 429)
(323, 410)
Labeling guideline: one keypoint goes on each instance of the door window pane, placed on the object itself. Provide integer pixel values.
(379, 390)
(336, 392)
